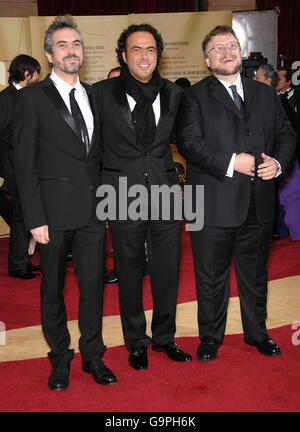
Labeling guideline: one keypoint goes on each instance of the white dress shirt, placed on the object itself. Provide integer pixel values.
(239, 88)
(81, 98)
(155, 106)
(18, 87)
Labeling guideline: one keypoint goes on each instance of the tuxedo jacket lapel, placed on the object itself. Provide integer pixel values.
(220, 93)
(61, 107)
(122, 102)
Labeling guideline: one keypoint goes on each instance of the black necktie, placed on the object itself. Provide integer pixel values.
(237, 98)
(79, 120)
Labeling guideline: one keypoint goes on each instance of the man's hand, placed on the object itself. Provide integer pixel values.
(245, 164)
(41, 234)
(268, 169)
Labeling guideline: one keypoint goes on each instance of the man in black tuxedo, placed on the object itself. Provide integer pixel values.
(57, 162)
(290, 98)
(137, 113)
(23, 71)
(236, 139)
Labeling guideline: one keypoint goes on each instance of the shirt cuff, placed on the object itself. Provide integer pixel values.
(230, 169)
(279, 168)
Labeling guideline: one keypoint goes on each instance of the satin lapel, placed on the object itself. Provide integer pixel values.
(220, 93)
(122, 102)
(61, 107)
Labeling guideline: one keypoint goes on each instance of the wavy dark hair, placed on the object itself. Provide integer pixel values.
(138, 28)
(20, 65)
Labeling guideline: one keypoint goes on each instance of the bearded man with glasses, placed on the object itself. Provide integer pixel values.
(236, 139)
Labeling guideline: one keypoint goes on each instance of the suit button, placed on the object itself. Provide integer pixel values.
(147, 154)
(248, 132)
(92, 188)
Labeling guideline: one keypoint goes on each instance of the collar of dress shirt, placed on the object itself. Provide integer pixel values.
(239, 86)
(288, 93)
(18, 87)
(62, 85)
(81, 97)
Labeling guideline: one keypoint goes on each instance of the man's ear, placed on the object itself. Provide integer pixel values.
(124, 56)
(207, 61)
(48, 57)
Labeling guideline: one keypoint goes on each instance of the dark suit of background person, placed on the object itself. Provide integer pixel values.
(238, 210)
(23, 71)
(58, 177)
(128, 153)
(290, 97)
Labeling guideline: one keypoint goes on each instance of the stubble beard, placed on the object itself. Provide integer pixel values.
(69, 68)
(225, 72)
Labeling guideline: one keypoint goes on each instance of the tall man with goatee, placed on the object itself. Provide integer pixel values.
(236, 140)
(57, 161)
(137, 113)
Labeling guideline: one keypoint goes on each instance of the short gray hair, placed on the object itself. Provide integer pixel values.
(270, 72)
(60, 22)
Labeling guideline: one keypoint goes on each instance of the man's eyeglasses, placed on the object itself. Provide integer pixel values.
(232, 46)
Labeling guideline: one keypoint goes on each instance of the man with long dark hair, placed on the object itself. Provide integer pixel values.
(137, 114)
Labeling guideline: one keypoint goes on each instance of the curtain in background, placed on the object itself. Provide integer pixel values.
(112, 7)
(289, 23)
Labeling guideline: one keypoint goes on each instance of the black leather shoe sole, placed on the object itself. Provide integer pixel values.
(58, 383)
(206, 358)
(25, 275)
(175, 354)
(207, 351)
(101, 375)
(58, 387)
(261, 348)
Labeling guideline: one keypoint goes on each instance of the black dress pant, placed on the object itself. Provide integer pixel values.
(18, 258)
(213, 250)
(88, 249)
(128, 240)
(5, 207)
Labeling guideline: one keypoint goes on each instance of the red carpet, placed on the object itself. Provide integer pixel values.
(240, 380)
(20, 301)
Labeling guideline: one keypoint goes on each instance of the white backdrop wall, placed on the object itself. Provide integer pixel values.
(257, 32)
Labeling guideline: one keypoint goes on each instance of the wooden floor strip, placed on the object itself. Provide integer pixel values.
(283, 309)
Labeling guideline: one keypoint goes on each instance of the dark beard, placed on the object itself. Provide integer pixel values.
(220, 71)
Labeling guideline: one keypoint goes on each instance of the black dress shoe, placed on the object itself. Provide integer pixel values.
(23, 274)
(207, 350)
(138, 358)
(111, 278)
(173, 352)
(59, 378)
(267, 347)
(32, 268)
(101, 373)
